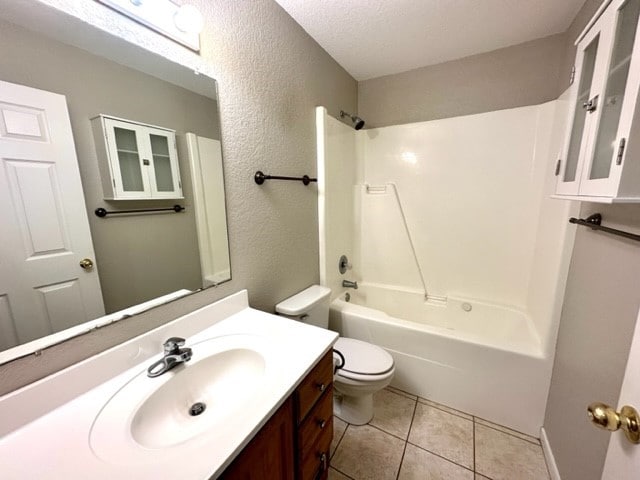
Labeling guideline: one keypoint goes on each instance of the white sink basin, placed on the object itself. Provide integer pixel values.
(182, 404)
(212, 386)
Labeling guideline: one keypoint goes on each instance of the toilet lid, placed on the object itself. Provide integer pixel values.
(363, 358)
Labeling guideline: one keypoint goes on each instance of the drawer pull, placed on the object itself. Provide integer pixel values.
(322, 423)
(321, 386)
(323, 461)
(323, 465)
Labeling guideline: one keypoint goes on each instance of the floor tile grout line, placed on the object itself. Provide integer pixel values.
(406, 442)
(397, 391)
(342, 473)
(474, 446)
(448, 411)
(440, 456)
(388, 433)
(339, 442)
(536, 442)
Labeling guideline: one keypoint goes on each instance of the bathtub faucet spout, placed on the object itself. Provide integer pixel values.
(350, 284)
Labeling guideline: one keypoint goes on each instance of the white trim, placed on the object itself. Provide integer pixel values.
(321, 168)
(593, 20)
(35, 346)
(554, 473)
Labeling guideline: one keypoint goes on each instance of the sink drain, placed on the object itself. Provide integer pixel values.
(197, 408)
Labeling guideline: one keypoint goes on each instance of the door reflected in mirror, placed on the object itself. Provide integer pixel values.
(62, 265)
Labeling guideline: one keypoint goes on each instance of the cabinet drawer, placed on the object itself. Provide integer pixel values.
(319, 420)
(315, 464)
(314, 385)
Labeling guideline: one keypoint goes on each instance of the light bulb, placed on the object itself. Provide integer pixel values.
(188, 19)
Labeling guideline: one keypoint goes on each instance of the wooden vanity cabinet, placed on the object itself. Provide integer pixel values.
(314, 421)
(295, 443)
(269, 456)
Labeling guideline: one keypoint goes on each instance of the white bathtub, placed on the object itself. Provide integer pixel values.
(487, 361)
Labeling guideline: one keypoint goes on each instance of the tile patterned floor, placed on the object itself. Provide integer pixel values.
(413, 438)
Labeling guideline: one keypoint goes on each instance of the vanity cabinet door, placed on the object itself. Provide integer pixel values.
(269, 456)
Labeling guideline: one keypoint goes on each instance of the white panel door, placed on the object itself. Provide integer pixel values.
(623, 457)
(43, 220)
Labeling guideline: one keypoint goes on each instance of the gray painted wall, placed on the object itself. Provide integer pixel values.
(133, 265)
(271, 76)
(584, 15)
(598, 319)
(525, 74)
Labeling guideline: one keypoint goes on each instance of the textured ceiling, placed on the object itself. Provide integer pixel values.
(371, 38)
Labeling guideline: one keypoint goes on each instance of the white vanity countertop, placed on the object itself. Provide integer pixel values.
(47, 425)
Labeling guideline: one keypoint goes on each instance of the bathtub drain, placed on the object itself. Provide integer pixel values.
(467, 307)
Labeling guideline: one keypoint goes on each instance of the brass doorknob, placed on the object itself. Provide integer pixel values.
(606, 417)
(86, 263)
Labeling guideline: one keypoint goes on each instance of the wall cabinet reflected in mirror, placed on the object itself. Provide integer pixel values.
(137, 161)
(136, 257)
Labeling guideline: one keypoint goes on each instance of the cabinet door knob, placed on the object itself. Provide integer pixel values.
(322, 423)
(606, 417)
(321, 387)
(592, 105)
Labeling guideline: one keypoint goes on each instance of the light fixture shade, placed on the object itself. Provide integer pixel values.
(188, 19)
(180, 23)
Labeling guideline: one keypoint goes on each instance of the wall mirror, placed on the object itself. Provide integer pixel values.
(61, 265)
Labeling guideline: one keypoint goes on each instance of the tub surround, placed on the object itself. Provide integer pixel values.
(499, 374)
(42, 422)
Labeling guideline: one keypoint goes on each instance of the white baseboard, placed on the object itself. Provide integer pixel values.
(554, 473)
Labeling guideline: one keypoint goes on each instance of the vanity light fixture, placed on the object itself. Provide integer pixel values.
(182, 23)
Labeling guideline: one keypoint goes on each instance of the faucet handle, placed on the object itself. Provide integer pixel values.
(172, 344)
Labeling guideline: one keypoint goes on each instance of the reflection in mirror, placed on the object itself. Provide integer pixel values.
(116, 130)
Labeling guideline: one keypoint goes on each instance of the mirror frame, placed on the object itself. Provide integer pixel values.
(105, 33)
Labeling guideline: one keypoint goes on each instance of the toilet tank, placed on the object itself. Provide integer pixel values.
(309, 306)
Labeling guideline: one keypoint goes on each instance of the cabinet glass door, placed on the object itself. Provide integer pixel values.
(569, 181)
(162, 163)
(607, 142)
(128, 159)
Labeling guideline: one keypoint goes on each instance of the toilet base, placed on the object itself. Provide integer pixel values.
(354, 410)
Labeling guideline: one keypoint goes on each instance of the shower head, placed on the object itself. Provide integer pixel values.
(358, 123)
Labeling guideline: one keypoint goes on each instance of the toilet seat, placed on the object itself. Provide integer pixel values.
(363, 361)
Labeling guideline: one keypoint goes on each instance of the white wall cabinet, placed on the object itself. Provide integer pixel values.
(137, 161)
(594, 165)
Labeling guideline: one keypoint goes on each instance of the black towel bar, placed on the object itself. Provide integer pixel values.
(101, 212)
(594, 222)
(260, 177)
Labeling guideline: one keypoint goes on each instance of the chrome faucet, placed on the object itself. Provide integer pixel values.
(349, 284)
(173, 355)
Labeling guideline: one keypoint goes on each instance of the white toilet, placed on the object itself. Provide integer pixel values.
(367, 368)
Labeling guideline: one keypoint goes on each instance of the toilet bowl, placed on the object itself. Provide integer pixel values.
(367, 368)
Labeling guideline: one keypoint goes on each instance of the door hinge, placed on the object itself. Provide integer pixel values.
(114, 182)
(622, 144)
(572, 76)
(558, 163)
